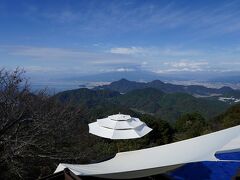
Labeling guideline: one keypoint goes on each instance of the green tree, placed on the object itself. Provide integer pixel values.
(228, 119)
(190, 125)
(162, 132)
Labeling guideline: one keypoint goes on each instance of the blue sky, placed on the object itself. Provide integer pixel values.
(58, 38)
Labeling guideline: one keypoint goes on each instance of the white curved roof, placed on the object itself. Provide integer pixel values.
(160, 159)
(231, 146)
(119, 126)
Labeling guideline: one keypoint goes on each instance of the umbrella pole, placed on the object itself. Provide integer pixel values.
(118, 147)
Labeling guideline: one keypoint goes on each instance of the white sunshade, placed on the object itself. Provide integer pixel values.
(119, 126)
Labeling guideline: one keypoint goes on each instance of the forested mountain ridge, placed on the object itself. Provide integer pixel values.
(168, 106)
(171, 106)
(85, 96)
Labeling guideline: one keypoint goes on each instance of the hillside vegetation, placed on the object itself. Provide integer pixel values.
(228, 119)
(168, 106)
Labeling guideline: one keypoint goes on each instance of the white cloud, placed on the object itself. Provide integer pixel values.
(121, 69)
(184, 65)
(175, 70)
(187, 64)
(154, 51)
(124, 70)
(127, 50)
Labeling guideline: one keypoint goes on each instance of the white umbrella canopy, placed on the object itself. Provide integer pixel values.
(119, 126)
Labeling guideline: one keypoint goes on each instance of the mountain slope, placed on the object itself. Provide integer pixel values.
(142, 99)
(85, 96)
(123, 86)
(228, 119)
(170, 106)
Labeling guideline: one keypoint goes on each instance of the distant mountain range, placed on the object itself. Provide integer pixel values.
(114, 76)
(163, 100)
(145, 76)
(124, 86)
